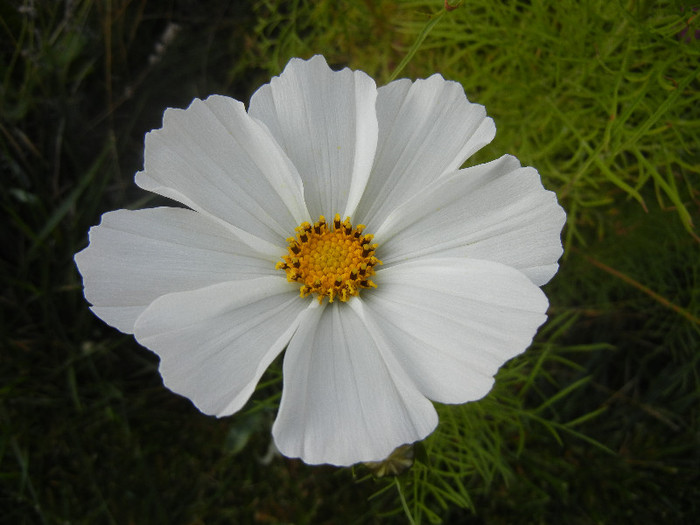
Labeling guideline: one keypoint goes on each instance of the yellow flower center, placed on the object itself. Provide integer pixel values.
(335, 263)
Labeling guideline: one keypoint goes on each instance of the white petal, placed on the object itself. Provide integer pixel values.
(326, 123)
(497, 211)
(345, 398)
(215, 343)
(215, 158)
(135, 257)
(426, 128)
(453, 322)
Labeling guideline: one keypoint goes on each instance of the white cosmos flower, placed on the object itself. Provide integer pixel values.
(215, 289)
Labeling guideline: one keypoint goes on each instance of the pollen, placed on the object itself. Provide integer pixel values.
(334, 261)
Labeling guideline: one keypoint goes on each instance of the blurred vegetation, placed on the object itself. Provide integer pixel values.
(597, 423)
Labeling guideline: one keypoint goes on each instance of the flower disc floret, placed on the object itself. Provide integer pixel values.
(332, 262)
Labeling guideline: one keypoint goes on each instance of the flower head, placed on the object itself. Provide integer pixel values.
(331, 219)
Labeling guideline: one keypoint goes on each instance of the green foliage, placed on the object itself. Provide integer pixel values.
(610, 90)
(596, 423)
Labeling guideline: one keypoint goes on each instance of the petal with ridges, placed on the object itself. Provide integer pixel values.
(215, 343)
(453, 322)
(345, 398)
(326, 122)
(215, 158)
(426, 128)
(497, 211)
(135, 257)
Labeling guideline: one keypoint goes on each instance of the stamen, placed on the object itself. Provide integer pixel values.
(320, 225)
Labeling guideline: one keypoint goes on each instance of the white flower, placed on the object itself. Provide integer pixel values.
(429, 308)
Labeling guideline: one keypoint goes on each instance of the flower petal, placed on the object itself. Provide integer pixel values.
(426, 128)
(216, 159)
(345, 398)
(497, 211)
(135, 257)
(453, 322)
(215, 343)
(326, 123)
